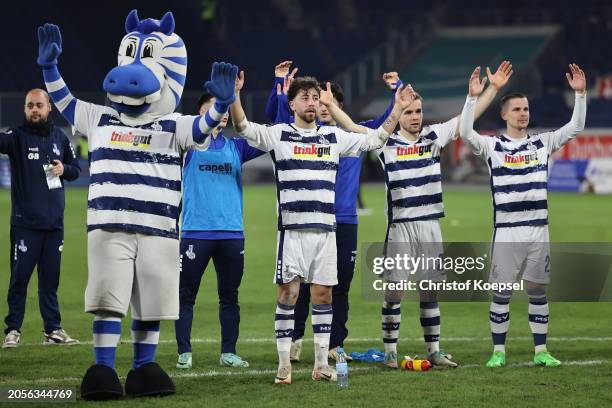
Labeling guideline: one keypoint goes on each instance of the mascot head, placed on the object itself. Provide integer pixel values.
(152, 66)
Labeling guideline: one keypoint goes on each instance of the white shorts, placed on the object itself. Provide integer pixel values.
(415, 239)
(309, 254)
(133, 269)
(517, 250)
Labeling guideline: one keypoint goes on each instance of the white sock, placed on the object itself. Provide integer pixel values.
(284, 322)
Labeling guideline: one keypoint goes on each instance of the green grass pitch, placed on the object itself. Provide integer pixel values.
(580, 333)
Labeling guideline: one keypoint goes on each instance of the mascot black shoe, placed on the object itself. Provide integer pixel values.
(101, 384)
(149, 380)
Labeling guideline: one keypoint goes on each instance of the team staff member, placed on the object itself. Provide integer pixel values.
(41, 159)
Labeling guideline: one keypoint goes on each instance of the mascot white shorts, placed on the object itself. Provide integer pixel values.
(133, 269)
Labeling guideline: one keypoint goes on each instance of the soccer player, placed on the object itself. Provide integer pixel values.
(411, 161)
(212, 228)
(306, 161)
(518, 164)
(41, 159)
(347, 187)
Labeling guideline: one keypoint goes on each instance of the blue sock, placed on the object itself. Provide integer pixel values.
(145, 336)
(106, 335)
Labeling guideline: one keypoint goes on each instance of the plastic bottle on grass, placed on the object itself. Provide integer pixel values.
(342, 370)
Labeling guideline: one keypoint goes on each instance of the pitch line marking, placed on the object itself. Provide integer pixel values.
(216, 373)
(358, 339)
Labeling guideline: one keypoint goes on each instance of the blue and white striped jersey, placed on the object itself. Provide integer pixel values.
(412, 173)
(305, 166)
(519, 167)
(135, 171)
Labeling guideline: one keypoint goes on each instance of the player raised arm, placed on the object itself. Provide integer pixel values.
(343, 120)
(259, 136)
(392, 80)
(559, 137)
(282, 80)
(496, 81)
(354, 142)
(478, 143)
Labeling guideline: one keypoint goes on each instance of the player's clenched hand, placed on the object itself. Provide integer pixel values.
(501, 76)
(476, 84)
(392, 80)
(49, 45)
(326, 96)
(576, 78)
(404, 96)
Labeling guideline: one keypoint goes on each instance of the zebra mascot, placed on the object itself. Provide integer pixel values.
(134, 192)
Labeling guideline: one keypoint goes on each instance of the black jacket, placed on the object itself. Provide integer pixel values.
(34, 206)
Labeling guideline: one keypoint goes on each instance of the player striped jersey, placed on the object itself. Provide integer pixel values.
(135, 171)
(412, 173)
(519, 167)
(305, 166)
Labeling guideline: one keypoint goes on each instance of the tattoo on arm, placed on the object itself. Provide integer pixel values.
(391, 119)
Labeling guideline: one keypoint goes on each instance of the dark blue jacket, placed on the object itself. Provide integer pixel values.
(34, 206)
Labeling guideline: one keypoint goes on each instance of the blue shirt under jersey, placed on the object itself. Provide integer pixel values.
(349, 169)
(212, 189)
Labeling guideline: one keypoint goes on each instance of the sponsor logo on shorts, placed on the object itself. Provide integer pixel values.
(312, 152)
(130, 139)
(413, 152)
(22, 246)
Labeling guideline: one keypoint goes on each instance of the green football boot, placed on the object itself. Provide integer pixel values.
(498, 359)
(543, 358)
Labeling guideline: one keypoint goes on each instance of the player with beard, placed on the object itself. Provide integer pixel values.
(306, 160)
(347, 189)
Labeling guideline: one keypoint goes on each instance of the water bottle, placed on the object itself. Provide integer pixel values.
(342, 370)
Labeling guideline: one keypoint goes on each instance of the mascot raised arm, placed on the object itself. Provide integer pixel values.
(134, 192)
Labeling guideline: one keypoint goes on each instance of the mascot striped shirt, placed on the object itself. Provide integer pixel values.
(135, 171)
(519, 167)
(305, 166)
